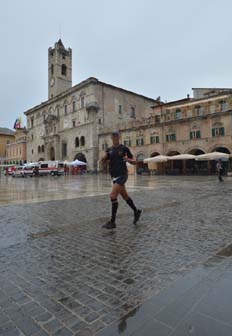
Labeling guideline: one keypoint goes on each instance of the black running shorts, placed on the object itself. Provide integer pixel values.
(121, 180)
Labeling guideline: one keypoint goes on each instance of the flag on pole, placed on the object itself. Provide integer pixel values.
(17, 124)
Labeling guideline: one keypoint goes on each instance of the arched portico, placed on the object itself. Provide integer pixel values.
(194, 167)
(174, 167)
(141, 167)
(80, 156)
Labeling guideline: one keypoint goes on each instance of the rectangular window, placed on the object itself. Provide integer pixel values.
(132, 112)
(139, 142)
(32, 121)
(65, 109)
(127, 143)
(195, 134)
(82, 102)
(178, 114)
(154, 139)
(74, 123)
(170, 137)
(199, 111)
(104, 146)
(74, 106)
(219, 131)
(64, 150)
(223, 105)
(120, 109)
(157, 119)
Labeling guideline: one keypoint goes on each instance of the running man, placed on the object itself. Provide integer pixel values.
(118, 155)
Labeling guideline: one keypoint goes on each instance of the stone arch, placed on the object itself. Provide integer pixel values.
(51, 155)
(195, 167)
(140, 156)
(153, 154)
(196, 151)
(141, 167)
(51, 110)
(221, 149)
(174, 166)
(173, 152)
(80, 156)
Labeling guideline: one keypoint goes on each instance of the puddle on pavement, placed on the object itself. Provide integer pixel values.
(122, 325)
(226, 251)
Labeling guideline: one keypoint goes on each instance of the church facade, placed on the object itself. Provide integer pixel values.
(70, 123)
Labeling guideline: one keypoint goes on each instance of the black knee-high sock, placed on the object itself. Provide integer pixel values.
(131, 204)
(114, 209)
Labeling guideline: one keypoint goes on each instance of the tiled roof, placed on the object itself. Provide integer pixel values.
(6, 131)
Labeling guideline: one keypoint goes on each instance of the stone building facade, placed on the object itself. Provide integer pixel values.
(197, 125)
(6, 137)
(16, 152)
(68, 125)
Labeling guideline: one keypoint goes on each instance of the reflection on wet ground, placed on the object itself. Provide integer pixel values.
(32, 190)
(62, 274)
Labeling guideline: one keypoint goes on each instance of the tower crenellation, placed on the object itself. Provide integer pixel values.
(59, 69)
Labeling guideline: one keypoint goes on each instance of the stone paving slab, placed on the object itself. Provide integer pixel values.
(62, 274)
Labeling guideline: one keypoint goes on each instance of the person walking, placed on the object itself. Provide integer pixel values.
(117, 156)
(220, 170)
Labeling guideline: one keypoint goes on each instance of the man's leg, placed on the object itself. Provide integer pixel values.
(129, 201)
(114, 206)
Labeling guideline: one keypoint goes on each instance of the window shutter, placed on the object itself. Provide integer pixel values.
(222, 131)
(213, 132)
(198, 134)
(191, 135)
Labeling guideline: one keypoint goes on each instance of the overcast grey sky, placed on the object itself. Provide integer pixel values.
(153, 47)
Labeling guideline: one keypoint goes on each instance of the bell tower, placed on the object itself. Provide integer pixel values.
(59, 69)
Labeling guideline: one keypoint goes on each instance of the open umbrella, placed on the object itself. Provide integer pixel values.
(212, 156)
(182, 157)
(158, 158)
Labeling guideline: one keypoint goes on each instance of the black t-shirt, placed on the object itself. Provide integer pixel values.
(116, 155)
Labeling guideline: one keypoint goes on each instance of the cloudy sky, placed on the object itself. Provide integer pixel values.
(153, 47)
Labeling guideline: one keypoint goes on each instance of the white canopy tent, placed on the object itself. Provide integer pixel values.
(76, 163)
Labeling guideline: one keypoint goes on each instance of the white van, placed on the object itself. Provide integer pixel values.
(53, 168)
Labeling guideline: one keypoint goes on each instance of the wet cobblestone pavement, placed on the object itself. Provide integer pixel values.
(62, 274)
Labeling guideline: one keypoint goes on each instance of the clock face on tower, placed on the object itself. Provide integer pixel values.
(52, 81)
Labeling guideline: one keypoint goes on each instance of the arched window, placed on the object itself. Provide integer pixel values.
(77, 143)
(39, 149)
(52, 69)
(63, 70)
(42, 148)
(82, 141)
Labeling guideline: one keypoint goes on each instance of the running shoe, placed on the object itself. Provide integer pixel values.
(109, 225)
(137, 215)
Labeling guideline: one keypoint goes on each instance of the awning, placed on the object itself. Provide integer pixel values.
(212, 156)
(182, 157)
(158, 158)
